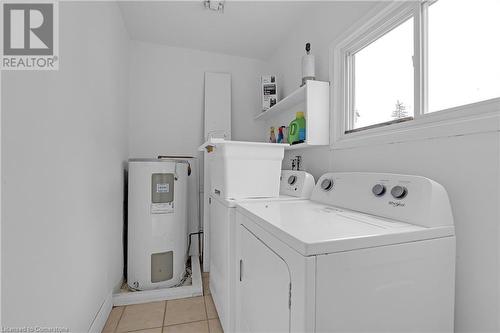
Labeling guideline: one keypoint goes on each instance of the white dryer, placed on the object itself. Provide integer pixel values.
(294, 185)
(369, 252)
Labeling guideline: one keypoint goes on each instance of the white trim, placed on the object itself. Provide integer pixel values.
(102, 315)
(398, 14)
(362, 33)
(424, 60)
(466, 119)
(136, 297)
(418, 56)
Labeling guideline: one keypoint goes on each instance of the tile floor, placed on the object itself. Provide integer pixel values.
(186, 315)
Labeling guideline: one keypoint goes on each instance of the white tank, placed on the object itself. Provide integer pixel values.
(157, 222)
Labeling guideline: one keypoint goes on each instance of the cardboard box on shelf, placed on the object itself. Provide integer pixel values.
(269, 91)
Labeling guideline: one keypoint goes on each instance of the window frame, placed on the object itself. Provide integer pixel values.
(365, 40)
(380, 21)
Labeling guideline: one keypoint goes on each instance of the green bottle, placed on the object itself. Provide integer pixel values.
(297, 131)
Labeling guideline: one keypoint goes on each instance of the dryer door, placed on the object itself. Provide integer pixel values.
(264, 287)
(219, 259)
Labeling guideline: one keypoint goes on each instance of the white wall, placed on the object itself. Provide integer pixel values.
(66, 134)
(468, 166)
(167, 98)
(325, 24)
(64, 141)
(1, 201)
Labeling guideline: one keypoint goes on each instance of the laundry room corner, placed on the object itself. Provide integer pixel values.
(216, 166)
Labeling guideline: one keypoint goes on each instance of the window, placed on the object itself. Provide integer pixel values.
(463, 52)
(383, 78)
(413, 59)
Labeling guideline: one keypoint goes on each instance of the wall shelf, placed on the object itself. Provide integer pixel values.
(313, 99)
(301, 146)
(295, 98)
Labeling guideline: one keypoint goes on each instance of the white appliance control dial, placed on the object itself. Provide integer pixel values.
(399, 192)
(378, 190)
(327, 184)
(297, 184)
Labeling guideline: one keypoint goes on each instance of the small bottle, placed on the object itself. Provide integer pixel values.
(280, 134)
(297, 129)
(272, 136)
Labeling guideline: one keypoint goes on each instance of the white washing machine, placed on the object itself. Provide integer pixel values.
(368, 253)
(294, 185)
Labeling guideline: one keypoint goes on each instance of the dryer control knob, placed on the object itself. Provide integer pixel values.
(378, 190)
(399, 192)
(292, 180)
(327, 184)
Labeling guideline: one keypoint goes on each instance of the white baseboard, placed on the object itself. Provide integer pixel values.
(136, 297)
(102, 315)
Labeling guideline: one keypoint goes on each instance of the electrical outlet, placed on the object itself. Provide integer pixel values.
(296, 163)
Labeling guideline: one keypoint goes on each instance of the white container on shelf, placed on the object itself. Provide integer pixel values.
(240, 169)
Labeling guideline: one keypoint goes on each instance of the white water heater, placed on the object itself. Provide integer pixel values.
(157, 222)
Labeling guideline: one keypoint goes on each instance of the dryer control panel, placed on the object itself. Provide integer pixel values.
(298, 184)
(412, 199)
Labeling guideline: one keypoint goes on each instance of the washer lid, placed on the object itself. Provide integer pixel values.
(232, 203)
(313, 228)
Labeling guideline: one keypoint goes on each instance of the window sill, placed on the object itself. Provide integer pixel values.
(473, 118)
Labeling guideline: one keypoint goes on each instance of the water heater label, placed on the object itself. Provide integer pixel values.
(162, 188)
